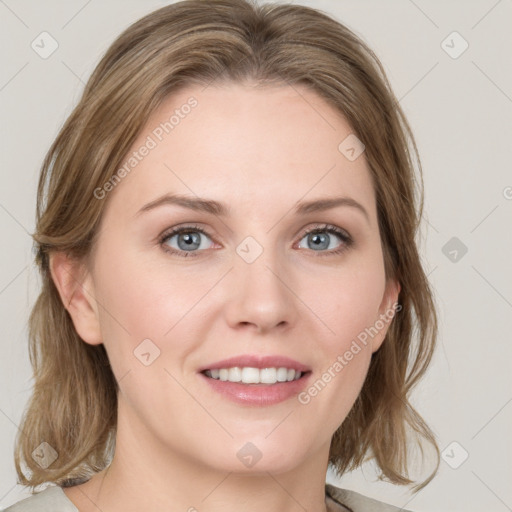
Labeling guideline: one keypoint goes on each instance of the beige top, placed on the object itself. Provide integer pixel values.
(53, 499)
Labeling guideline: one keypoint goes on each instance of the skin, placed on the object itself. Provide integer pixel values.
(177, 440)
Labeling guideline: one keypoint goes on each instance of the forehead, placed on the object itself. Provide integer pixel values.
(245, 145)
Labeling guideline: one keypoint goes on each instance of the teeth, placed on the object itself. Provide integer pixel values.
(282, 375)
(268, 375)
(248, 375)
(235, 374)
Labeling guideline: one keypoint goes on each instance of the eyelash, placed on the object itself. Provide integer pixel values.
(325, 228)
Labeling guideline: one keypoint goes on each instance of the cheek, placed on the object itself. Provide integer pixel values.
(349, 308)
(348, 303)
(145, 311)
(144, 300)
(135, 304)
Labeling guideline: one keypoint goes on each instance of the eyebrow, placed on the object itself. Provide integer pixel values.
(217, 208)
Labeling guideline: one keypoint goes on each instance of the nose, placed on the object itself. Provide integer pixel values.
(263, 297)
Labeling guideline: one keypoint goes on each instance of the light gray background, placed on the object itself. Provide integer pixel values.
(461, 112)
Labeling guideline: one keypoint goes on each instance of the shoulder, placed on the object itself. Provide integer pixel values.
(51, 499)
(356, 502)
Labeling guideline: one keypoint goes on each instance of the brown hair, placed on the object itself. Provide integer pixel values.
(74, 401)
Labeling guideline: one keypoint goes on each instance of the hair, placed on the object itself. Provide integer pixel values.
(74, 400)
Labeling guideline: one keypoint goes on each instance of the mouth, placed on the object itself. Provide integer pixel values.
(251, 375)
(258, 381)
(256, 387)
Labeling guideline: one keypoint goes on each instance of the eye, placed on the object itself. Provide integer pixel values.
(188, 241)
(184, 241)
(320, 238)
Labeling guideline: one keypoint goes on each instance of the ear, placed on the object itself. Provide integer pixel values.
(387, 310)
(76, 291)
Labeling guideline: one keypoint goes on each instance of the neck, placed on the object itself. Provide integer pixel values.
(144, 475)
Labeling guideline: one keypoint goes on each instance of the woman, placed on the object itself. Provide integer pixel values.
(226, 235)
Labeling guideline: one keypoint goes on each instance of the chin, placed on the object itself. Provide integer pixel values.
(257, 455)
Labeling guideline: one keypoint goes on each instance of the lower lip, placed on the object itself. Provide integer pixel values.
(260, 395)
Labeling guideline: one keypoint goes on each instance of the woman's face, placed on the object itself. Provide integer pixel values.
(251, 171)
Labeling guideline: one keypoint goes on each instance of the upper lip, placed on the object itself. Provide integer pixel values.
(256, 361)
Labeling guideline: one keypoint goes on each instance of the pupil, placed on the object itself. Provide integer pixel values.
(320, 240)
(190, 240)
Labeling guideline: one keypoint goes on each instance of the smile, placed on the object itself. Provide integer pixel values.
(249, 375)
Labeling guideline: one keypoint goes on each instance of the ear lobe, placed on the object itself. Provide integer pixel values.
(76, 291)
(387, 311)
